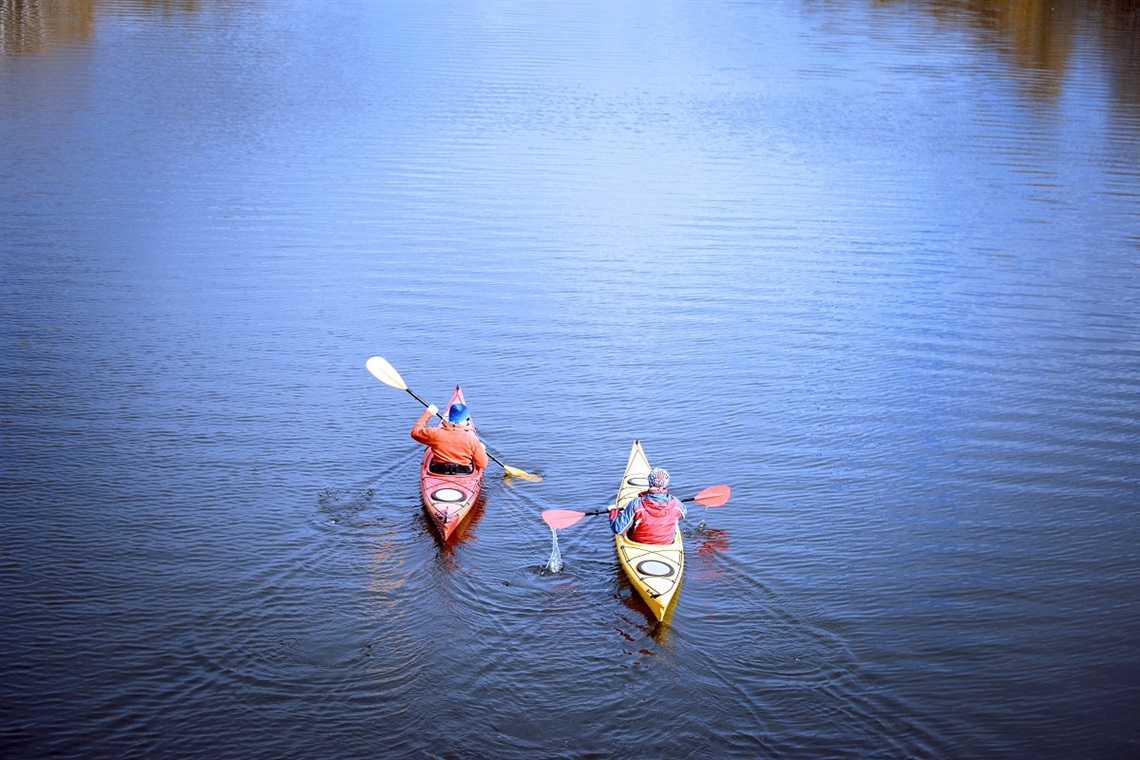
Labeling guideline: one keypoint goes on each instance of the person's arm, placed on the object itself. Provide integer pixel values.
(480, 456)
(420, 431)
(620, 522)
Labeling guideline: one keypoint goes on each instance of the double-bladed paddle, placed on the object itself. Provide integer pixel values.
(713, 496)
(387, 374)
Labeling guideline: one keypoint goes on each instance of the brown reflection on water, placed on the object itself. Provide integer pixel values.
(1038, 37)
(36, 26)
(33, 26)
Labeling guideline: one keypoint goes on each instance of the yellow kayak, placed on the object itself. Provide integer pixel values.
(653, 569)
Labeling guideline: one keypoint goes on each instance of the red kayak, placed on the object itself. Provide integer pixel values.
(449, 498)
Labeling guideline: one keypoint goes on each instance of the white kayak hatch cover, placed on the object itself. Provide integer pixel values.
(655, 568)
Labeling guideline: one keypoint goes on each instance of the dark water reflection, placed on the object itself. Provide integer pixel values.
(875, 264)
(1040, 38)
(1042, 41)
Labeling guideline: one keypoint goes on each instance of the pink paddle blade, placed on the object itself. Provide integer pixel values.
(561, 518)
(713, 496)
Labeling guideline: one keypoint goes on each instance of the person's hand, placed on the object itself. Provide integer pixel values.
(433, 410)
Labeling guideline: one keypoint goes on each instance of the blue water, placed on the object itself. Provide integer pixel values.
(874, 265)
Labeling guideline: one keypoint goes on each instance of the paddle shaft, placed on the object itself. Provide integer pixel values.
(713, 496)
(437, 414)
(426, 404)
(607, 510)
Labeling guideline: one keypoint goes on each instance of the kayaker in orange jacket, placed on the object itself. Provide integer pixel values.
(650, 517)
(455, 446)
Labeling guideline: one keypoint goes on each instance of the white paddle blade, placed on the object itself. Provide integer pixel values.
(385, 372)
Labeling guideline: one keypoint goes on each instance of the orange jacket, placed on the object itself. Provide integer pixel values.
(458, 444)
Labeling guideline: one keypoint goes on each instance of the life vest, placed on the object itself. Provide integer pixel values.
(655, 519)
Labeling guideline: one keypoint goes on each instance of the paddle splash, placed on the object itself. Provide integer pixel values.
(554, 564)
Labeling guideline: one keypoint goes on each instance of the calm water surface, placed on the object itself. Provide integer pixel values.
(874, 264)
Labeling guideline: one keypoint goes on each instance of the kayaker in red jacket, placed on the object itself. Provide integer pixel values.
(455, 446)
(651, 516)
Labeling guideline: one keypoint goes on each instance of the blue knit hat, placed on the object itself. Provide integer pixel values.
(658, 478)
(458, 413)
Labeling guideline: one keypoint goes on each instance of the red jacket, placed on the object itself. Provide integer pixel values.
(455, 443)
(652, 515)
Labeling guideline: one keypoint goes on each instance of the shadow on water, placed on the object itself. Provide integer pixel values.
(645, 623)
